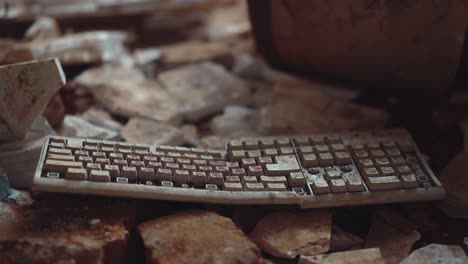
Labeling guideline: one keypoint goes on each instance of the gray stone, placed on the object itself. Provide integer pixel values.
(128, 93)
(362, 256)
(204, 89)
(146, 131)
(236, 121)
(437, 254)
(292, 233)
(101, 118)
(74, 126)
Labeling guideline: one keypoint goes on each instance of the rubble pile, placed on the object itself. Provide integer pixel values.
(202, 92)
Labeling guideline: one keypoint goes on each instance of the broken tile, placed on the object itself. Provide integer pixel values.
(128, 93)
(394, 244)
(236, 121)
(204, 89)
(195, 51)
(305, 232)
(146, 131)
(455, 185)
(170, 239)
(342, 240)
(78, 48)
(101, 118)
(362, 256)
(42, 28)
(75, 126)
(25, 90)
(307, 109)
(437, 254)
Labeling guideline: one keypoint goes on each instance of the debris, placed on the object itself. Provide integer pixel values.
(228, 22)
(171, 239)
(43, 28)
(126, 92)
(213, 142)
(146, 131)
(305, 233)
(5, 188)
(299, 109)
(455, 185)
(437, 254)
(78, 48)
(55, 111)
(195, 51)
(394, 244)
(204, 89)
(75, 126)
(236, 121)
(342, 240)
(20, 198)
(102, 118)
(56, 229)
(190, 134)
(25, 90)
(362, 256)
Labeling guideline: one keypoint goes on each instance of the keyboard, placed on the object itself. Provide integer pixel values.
(323, 170)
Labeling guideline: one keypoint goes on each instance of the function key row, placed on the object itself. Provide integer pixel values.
(252, 144)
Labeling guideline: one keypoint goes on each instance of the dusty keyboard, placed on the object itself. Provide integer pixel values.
(310, 171)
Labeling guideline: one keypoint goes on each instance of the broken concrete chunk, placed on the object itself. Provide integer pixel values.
(101, 118)
(74, 126)
(146, 131)
(362, 256)
(78, 48)
(394, 244)
(171, 239)
(437, 254)
(72, 230)
(236, 121)
(204, 89)
(25, 90)
(342, 240)
(126, 92)
(288, 234)
(194, 51)
(43, 28)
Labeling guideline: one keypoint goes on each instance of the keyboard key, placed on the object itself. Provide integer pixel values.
(403, 170)
(254, 153)
(377, 153)
(215, 178)
(235, 145)
(299, 190)
(76, 174)
(273, 179)
(382, 162)
(383, 183)
(164, 175)
(320, 187)
(267, 144)
(245, 163)
(370, 172)
(342, 158)
(211, 187)
(232, 186)
(122, 180)
(60, 157)
(387, 171)
(99, 176)
(61, 166)
(130, 173)
(250, 179)
(113, 170)
(301, 141)
(58, 151)
(251, 144)
(181, 177)
(285, 165)
(306, 150)
(296, 179)
(338, 186)
(85, 160)
(338, 147)
(224, 170)
(309, 160)
(254, 187)
(199, 179)
(282, 142)
(409, 181)
(167, 184)
(53, 175)
(326, 159)
(147, 174)
(255, 171)
(232, 179)
(322, 148)
(363, 163)
(398, 160)
(92, 166)
(354, 183)
(275, 187)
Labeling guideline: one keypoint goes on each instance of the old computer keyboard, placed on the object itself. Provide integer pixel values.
(310, 171)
